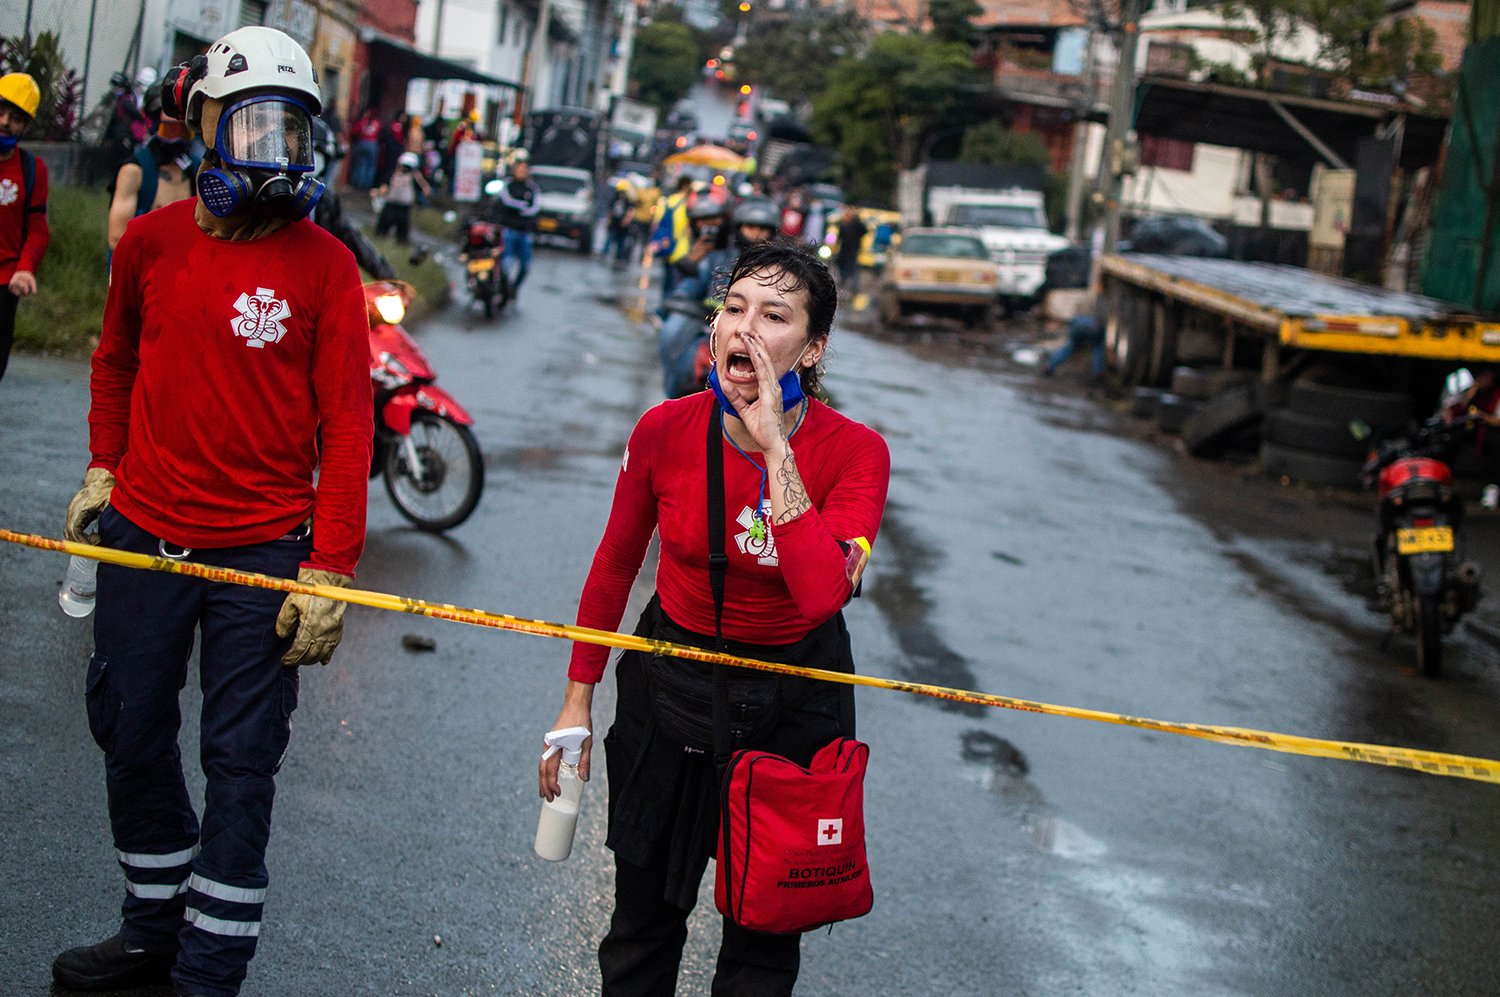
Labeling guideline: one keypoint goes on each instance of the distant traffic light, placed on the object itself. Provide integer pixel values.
(745, 7)
(745, 89)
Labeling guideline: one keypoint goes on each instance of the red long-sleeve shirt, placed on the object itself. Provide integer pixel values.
(219, 367)
(776, 590)
(14, 253)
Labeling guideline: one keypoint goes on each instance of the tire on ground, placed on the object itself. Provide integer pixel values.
(1380, 409)
(1308, 432)
(1173, 412)
(1223, 421)
(1311, 467)
(1143, 402)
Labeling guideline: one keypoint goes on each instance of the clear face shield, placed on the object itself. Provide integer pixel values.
(266, 133)
(267, 160)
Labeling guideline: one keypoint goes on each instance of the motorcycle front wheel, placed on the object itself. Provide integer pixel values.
(443, 487)
(1429, 635)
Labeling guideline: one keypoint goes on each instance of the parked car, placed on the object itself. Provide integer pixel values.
(939, 271)
(1175, 235)
(567, 204)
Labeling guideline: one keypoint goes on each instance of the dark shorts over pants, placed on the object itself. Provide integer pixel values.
(663, 817)
(194, 890)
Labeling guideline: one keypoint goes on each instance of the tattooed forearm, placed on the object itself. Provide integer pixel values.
(793, 495)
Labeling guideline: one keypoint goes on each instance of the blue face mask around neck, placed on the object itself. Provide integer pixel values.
(8, 143)
(791, 390)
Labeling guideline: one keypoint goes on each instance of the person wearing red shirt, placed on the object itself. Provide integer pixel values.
(23, 205)
(231, 425)
(804, 491)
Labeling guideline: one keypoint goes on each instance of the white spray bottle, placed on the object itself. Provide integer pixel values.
(559, 817)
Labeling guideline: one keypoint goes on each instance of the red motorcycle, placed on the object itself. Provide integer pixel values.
(424, 447)
(1421, 579)
(483, 256)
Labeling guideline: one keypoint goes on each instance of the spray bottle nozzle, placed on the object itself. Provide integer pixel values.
(568, 740)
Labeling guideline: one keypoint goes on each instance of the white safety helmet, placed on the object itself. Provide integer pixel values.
(250, 60)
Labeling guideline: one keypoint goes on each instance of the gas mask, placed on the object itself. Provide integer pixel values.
(262, 161)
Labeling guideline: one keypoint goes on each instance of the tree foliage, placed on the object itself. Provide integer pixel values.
(877, 106)
(952, 19)
(1273, 23)
(791, 55)
(41, 57)
(667, 60)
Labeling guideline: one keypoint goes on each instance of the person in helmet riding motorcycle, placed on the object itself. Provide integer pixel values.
(696, 294)
(229, 426)
(23, 217)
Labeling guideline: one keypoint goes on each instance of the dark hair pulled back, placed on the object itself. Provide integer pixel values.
(793, 267)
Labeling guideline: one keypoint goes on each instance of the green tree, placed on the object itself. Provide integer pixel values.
(57, 114)
(668, 57)
(993, 144)
(877, 107)
(1272, 23)
(952, 20)
(790, 56)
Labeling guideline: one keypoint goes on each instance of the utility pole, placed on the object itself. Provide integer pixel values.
(1121, 116)
(530, 72)
(620, 81)
(1078, 168)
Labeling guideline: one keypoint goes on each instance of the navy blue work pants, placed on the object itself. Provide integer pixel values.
(198, 891)
(518, 247)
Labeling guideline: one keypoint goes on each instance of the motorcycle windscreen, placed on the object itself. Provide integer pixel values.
(271, 133)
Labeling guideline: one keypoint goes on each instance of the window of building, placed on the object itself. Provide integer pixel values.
(252, 12)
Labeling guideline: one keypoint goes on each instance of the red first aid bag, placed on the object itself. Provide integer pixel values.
(791, 851)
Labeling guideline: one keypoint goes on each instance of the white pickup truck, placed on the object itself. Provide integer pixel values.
(1013, 225)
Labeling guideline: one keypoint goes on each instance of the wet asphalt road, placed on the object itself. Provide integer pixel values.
(1037, 544)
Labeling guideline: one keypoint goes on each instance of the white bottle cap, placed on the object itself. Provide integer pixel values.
(568, 740)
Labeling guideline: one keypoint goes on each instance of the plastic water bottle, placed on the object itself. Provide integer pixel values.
(559, 818)
(77, 595)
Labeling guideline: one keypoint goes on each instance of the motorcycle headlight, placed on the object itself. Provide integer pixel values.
(391, 308)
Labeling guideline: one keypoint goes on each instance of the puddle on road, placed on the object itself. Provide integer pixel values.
(1003, 770)
(907, 608)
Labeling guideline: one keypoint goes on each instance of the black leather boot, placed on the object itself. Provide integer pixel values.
(110, 965)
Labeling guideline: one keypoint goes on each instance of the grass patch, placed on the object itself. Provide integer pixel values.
(428, 279)
(64, 316)
(65, 313)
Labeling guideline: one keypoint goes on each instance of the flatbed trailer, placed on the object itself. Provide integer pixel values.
(1166, 310)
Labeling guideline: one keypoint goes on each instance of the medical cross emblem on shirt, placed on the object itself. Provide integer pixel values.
(260, 317)
(831, 831)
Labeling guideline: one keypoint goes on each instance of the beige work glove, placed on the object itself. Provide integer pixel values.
(83, 510)
(318, 622)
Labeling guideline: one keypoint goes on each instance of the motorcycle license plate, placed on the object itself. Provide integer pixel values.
(484, 265)
(1424, 539)
(546, 224)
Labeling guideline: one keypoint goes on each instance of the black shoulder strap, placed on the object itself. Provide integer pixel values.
(145, 197)
(28, 181)
(718, 563)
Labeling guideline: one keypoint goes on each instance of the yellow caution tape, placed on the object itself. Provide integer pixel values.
(1430, 762)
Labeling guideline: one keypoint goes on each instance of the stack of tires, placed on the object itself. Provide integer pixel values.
(1322, 434)
(1208, 407)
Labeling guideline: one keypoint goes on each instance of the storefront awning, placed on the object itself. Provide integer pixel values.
(395, 57)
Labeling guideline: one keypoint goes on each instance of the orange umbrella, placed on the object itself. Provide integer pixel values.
(715, 157)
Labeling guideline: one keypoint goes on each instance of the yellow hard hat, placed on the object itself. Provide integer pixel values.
(22, 91)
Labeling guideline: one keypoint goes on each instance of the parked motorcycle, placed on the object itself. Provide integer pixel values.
(424, 447)
(483, 250)
(1422, 580)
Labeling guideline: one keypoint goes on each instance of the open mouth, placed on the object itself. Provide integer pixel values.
(739, 363)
